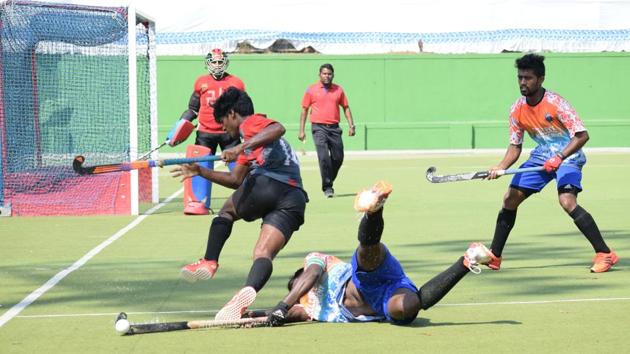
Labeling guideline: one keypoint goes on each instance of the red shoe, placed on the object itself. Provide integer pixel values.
(495, 262)
(201, 270)
(234, 309)
(373, 199)
(604, 261)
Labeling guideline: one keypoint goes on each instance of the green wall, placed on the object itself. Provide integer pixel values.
(411, 101)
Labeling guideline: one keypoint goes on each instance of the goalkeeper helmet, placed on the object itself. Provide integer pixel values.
(217, 62)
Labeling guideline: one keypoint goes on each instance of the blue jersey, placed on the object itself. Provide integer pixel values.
(324, 302)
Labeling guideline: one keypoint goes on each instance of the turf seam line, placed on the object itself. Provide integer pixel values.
(534, 302)
(15, 310)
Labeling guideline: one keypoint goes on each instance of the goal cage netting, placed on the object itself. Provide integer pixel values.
(76, 80)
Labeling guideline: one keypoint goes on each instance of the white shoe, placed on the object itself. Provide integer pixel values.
(373, 199)
(234, 309)
(475, 255)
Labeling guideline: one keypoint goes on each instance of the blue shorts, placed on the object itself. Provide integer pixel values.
(536, 181)
(378, 286)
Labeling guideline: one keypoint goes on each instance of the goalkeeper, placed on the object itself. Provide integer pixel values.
(210, 134)
(373, 286)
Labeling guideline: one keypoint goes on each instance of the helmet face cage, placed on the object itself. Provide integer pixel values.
(217, 62)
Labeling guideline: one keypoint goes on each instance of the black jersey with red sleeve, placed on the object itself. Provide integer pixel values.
(275, 160)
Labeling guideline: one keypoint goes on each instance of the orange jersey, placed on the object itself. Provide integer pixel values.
(551, 123)
(324, 102)
(209, 89)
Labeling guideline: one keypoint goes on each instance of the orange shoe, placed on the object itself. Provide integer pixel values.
(604, 261)
(234, 309)
(196, 208)
(495, 262)
(373, 199)
(201, 270)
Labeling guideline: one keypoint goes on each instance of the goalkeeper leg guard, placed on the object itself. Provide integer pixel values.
(198, 190)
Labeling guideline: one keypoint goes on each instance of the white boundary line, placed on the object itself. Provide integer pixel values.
(536, 302)
(15, 310)
(435, 152)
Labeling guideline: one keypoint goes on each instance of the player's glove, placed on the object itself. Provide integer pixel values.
(553, 164)
(180, 132)
(278, 315)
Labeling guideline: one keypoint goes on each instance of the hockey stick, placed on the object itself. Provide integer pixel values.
(435, 178)
(150, 152)
(124, 327)
(78, 167)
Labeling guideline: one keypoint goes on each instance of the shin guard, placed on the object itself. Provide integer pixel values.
(198, 190)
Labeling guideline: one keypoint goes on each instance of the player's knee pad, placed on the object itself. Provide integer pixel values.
(198, 190)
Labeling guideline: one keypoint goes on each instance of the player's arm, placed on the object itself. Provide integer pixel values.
(348, 113)
(184, 127)
(576, 143)
(303, 115)
(304, 283)
(287, 310)
(194, 103)
(573, 123)
(231, 179)
(269, 134)
(512, 154)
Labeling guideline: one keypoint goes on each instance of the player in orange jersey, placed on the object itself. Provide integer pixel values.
(552, 123)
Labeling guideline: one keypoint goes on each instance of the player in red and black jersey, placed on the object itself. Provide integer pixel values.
(268, 187)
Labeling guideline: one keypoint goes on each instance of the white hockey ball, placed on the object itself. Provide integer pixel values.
(122, 326)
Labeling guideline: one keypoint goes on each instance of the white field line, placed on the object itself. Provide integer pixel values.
(536, 302)
(15, 310)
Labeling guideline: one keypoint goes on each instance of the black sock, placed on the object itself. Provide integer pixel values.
(505, 223)
(259, 273)
(587, 225)
(435, 289)
(220, 231)
(371, 228)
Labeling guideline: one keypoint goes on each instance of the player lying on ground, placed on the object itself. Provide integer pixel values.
(268, 187)
(373, 287)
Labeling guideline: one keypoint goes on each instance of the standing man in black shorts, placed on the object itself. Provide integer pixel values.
(323, 99)
(268, 186)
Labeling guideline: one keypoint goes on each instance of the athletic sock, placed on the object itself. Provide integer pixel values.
(505, 223)
(259, 273)
(585, 222)
(435, 289)
(371, 228)
(220, 231)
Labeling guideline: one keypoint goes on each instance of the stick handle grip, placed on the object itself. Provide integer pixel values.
(514, 171)
(184, 160)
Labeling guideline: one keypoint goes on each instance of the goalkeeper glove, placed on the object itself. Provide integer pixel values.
(180, 132)
(278, 315)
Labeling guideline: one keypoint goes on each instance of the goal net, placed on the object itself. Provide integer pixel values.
(76, 80)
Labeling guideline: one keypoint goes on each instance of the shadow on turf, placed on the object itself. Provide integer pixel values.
(425, 322)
